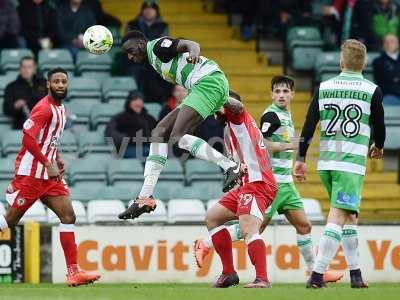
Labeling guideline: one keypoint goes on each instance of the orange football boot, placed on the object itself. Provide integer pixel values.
(200, 252)
(81, 278)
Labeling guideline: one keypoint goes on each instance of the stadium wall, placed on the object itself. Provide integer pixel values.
(165, 254)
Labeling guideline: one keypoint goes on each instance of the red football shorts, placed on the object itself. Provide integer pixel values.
(25, 190)
(253, 198)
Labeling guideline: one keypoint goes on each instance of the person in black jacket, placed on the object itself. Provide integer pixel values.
(21, 95)
(39, 24)
(131, 128)
(387, 70)
(149, 22)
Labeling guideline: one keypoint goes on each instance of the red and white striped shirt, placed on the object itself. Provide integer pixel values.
(46, 125)
(245, 142)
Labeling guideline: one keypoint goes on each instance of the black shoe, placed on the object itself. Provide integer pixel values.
(225, 281)
(138, 207)
(356, 280)
(232, 176)
(316, 281)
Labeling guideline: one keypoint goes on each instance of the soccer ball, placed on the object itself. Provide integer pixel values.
(97, 39)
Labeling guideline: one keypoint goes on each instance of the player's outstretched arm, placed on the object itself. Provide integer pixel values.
(192, 47)
(378, 125)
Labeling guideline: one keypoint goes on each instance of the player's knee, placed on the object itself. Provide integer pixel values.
(175, 137)
(304, 228)
(159, 132)
(68, 218)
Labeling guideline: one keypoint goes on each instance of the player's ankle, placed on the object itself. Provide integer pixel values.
(72, 269)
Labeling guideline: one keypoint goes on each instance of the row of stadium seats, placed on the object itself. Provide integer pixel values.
(88, 87)
(128, 172)
(92, 114)
(175, 211)
(86, 63)
(305, 47)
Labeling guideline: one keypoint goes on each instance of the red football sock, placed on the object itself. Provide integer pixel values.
(223, 246)
(256, 250)
(67, 239)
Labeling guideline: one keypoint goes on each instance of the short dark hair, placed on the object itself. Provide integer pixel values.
(282, 79)
(26, 57)
(134, 34)
(235, 95)
(54, 71)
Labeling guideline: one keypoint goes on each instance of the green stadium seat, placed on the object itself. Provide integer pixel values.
(203, 190)
(11, 142)
(392, 115)
(198, 170)
(84, 193)
(100, 77)
(87, 169)
(116, 36)
(327, 63)
(3, 187)
(88, 62)
(168, 190)
(118, 87)
(102, 113)
(81, 110)
(303, 44)
(84, 87)
(5, 121)
(10, 58)
(303, 58)
(7, 167)
(4, 81)
(114, 193)
(68, 142)
(93, 142)
(124, 170)
(53, 58)
(172, 171)
(392, 143)
(153, 109)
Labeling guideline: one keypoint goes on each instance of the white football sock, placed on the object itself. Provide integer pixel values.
(200, 149)
(234, 232)
(155, 163)
(328, 246)
(305, 245)
(3, 222)
(350, 246)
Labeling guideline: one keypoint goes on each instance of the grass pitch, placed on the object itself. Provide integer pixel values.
(342, 291)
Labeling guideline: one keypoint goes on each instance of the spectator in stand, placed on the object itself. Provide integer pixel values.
(387, 70)
(149, 21)
(374, 19)
(74, 17)
(9, 25)
(21, 95)
(39, 23)
(177, 95)
(101, 16)
(133, 122)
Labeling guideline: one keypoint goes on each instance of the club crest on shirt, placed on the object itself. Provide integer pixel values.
(54, 142)
(28, 124)
(265, 126)
(21, 201)
(166, 43)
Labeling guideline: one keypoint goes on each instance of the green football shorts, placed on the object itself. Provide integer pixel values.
(287, 198)
(344, 189)
(209, 94)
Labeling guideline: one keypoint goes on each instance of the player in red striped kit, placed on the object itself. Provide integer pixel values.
(39, 173)
(247, 202)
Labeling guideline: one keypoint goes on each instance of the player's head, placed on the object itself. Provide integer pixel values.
(57, 83)
(134, 45)
(282, 90)
(353, 56)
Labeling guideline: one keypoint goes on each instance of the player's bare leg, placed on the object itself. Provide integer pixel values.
(215, 218)
(11, 217)
(177, 127)
(299, 220)
(350, 249)
(250, 227)
(62, 207)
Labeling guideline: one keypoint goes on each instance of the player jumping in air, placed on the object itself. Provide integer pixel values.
(349, 108)
(278, 131)
(247, 202)
(39, 171)
(178, 61)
